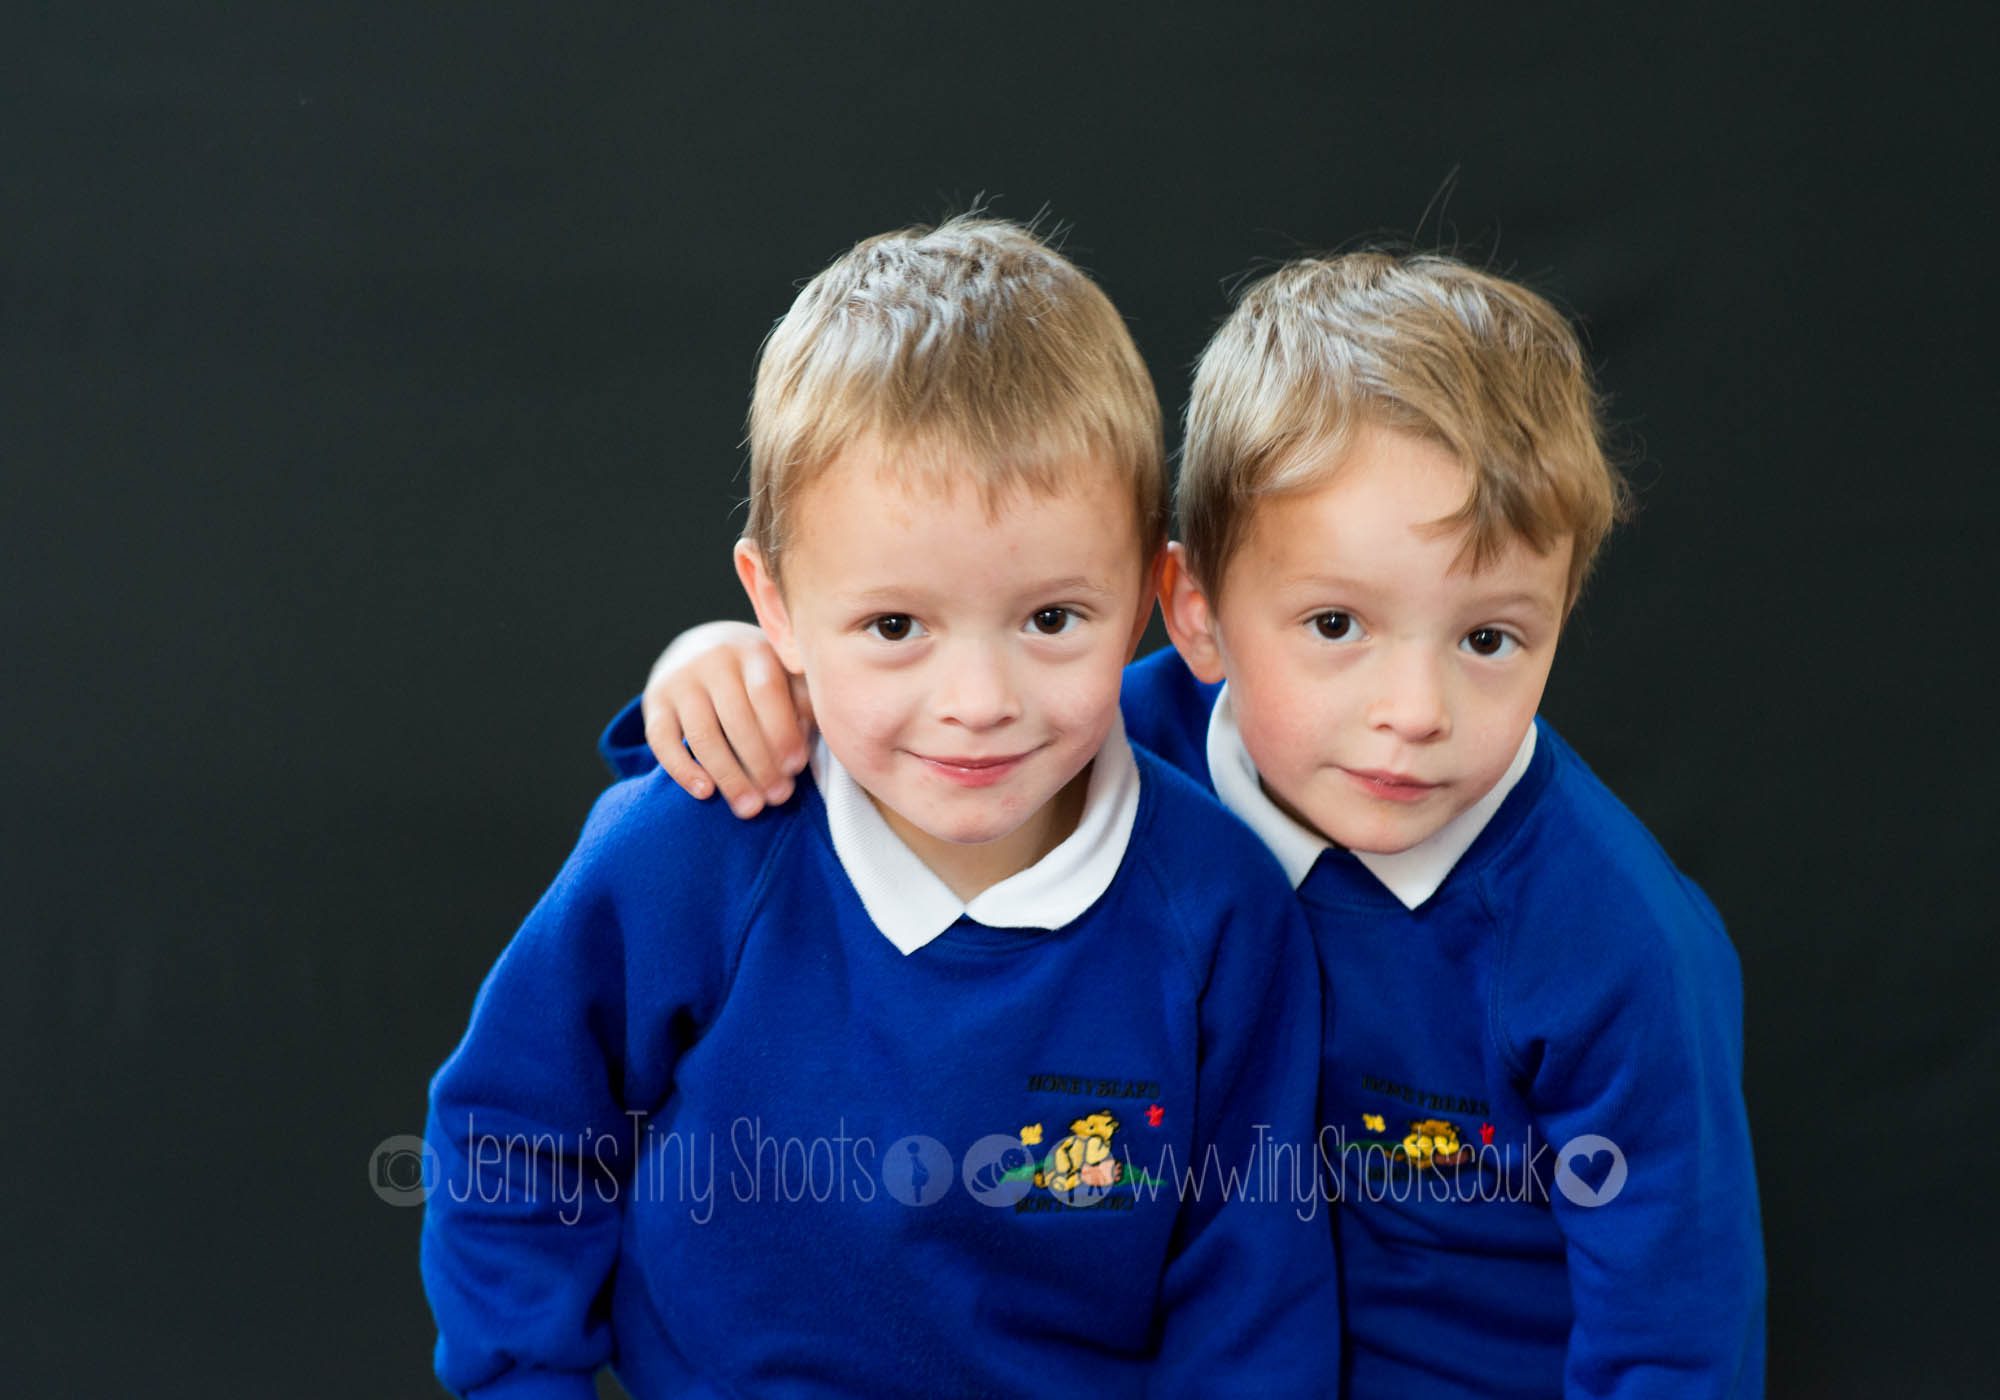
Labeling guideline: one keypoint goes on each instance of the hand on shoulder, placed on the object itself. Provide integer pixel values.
(722, 714)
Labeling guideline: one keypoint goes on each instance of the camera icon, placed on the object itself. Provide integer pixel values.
(403, 1170)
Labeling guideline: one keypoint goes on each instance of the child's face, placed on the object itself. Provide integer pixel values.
(1381, 688)
(964, 667)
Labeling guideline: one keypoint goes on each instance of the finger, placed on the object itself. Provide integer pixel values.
(771, 699)
(802, 704)
(746, 736)
(705, 738)
(663, 736)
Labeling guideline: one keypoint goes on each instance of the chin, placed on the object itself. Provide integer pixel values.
(1383, 845)
(963, 834)
(1377, 836)
(966, 828)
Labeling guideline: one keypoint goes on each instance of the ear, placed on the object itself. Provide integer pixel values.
(769, 601)
(1190, 620)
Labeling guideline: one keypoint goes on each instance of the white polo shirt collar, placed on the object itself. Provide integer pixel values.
(1413, 876)
(912, 906)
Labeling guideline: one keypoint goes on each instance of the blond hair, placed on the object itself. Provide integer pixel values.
(969, 347)
(1421, 343)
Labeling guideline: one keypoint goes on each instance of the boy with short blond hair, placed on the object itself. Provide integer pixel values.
(958, 1016)
(1393, 490)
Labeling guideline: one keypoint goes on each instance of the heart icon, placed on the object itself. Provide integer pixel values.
(1590, 1171)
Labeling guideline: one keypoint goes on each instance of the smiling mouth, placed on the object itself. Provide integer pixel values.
(1393, 787)
(973, 772)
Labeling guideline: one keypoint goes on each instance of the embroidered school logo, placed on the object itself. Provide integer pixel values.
(1003, 1170)
(1090, 1164)
(1083, 1161)
(1430, 1142)
(1087, 1167)
(1433, 1142)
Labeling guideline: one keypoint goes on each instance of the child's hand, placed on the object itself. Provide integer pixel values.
(746, 719)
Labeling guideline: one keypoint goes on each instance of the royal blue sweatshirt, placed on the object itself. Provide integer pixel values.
(1564, 982)
(708, 1126)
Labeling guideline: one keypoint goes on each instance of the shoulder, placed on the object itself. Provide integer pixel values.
(648, 843)
(1162, 675)
(1593, 910)
(658, 899)
(1581, 849)
(1179, 818)
(1208, 871)
(1167, 709)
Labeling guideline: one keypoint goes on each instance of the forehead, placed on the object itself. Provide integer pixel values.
(1380, 518)
(872, 516)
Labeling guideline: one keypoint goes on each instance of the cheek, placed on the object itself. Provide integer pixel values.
(1274, 738)
(855, 704)
(1500, 725)
(1080, 700)
(1283, 713)
(1504, 704)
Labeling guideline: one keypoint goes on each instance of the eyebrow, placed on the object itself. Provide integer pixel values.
(1040, 588)
(1531, 601)
(1074, 583)
(1485, 602)
(1335, 581)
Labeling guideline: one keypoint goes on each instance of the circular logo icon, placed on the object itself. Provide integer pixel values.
(999, 1170)
(1589, 1150)
(403, 1170)
(916, 1170)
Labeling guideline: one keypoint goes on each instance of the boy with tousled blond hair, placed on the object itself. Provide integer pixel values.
(1392, 491)
(982, 916)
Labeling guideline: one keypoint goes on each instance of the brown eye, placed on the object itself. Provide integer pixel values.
(1336, 626)
(1489, 641)
(893, 627)
(1052, 622)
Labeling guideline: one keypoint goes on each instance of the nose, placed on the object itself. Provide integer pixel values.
(1410, 699)
(976, 687)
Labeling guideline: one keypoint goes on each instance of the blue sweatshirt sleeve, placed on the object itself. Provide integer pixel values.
(1635, 1068)
(529, 1117)
(1250, 1295)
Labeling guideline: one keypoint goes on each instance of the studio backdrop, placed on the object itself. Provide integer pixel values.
(374, 390)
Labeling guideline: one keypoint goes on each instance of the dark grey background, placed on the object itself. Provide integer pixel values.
(372, 388)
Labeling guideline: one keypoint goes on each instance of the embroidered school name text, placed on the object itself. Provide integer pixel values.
(1435, 1103)
(1082, 1086)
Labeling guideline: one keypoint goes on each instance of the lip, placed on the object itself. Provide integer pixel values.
(1391, 787)
(972, 771)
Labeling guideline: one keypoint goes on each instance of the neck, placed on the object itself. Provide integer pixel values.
(969, 870)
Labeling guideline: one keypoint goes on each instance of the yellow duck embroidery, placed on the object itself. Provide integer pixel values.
(1430, 1142)
(1084, 1157)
